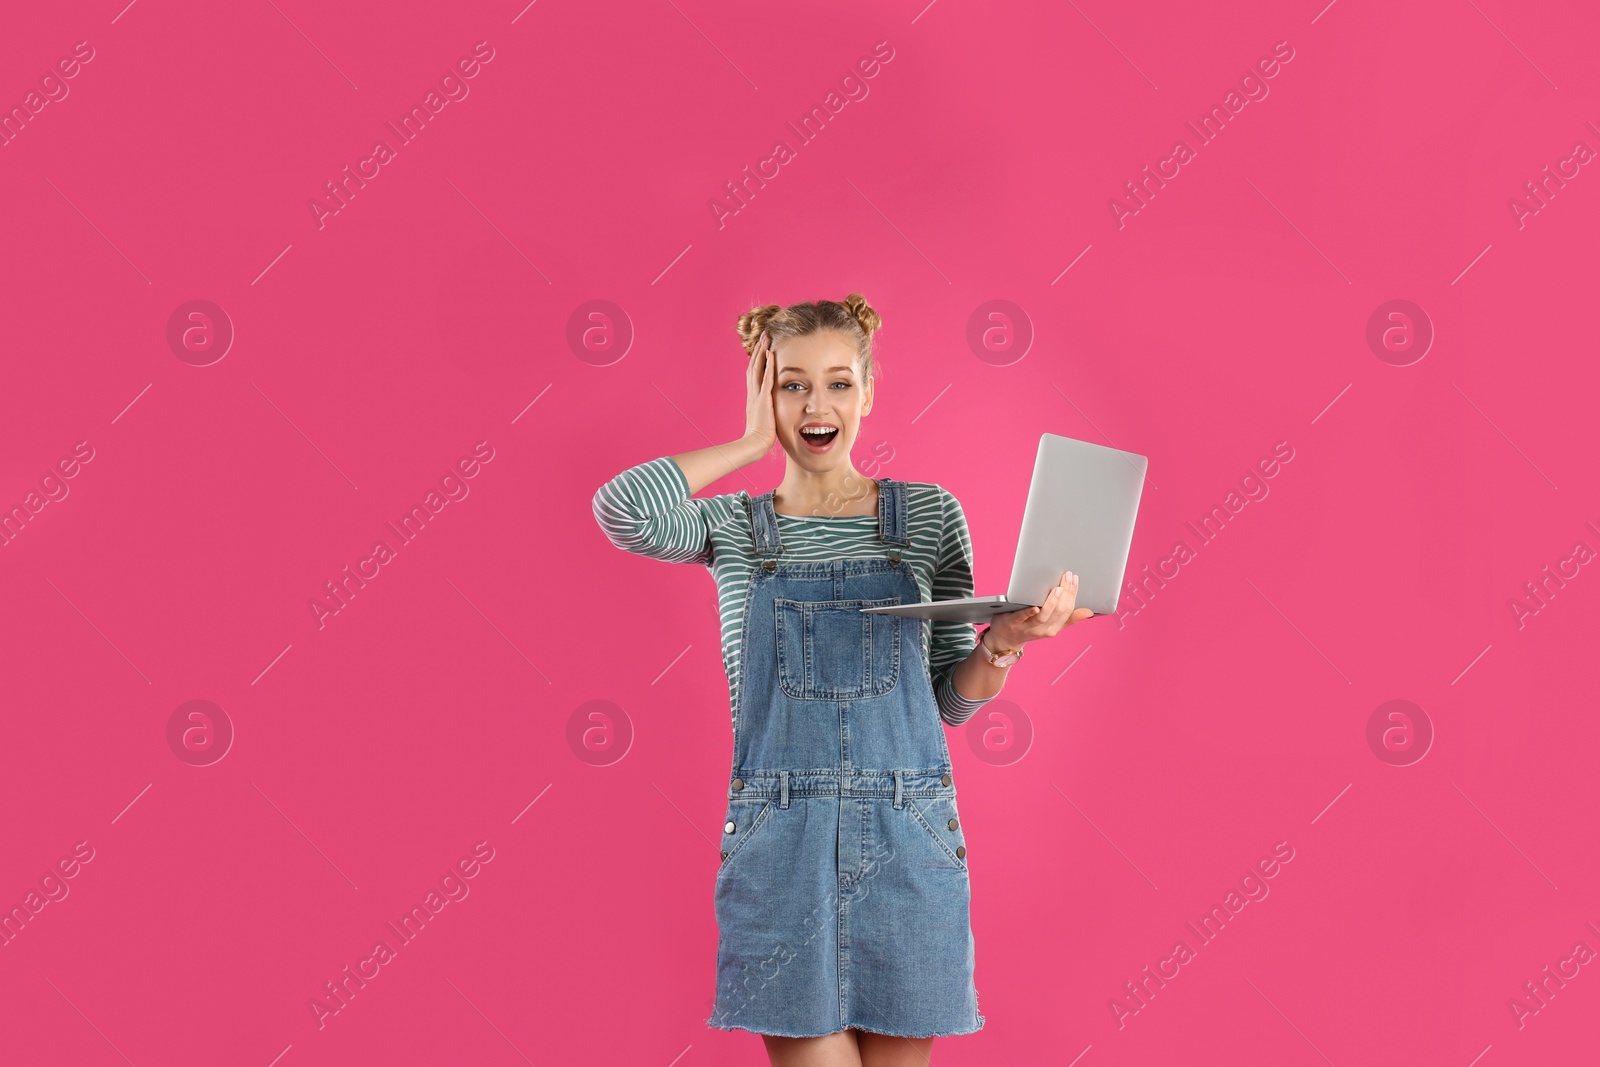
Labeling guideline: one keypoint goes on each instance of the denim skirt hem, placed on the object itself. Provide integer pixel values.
(756, 1029)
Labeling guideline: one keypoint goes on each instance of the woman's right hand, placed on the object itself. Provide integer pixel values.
(760, 417)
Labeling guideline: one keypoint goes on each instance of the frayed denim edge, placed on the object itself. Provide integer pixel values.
(778, 1033)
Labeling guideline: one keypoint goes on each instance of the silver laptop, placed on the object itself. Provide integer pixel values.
(1079, 518)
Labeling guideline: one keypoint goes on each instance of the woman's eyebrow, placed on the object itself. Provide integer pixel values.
(800, 369)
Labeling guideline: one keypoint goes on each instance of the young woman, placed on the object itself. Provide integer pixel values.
(842, 901)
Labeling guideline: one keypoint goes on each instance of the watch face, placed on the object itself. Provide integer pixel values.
(1005, 660)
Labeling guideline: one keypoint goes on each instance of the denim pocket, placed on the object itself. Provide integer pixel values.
(832, 650)
(934, 815)
(747, 817)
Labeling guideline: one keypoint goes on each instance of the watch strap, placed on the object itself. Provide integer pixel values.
(992, 655)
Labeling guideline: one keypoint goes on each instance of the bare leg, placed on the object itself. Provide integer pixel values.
(832, 1050)
(882, 1050)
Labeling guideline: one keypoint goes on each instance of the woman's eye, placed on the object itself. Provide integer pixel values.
(845, 384)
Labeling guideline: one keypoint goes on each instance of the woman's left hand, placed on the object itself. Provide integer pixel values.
(1014, 629)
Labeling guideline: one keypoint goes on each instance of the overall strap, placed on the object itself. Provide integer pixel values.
(764, 528)
(892, 527)
(892, 513)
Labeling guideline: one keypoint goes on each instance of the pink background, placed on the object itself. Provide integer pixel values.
(434, 710)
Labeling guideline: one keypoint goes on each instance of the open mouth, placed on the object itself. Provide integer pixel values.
(819, 442)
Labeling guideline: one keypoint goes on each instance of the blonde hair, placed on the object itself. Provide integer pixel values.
(853, 317)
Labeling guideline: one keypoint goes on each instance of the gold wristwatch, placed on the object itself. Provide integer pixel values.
(1004, 658)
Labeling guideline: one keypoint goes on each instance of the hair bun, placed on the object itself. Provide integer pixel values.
(752, 322)
(868, 318)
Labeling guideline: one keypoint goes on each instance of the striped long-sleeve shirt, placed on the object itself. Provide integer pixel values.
(649, 510)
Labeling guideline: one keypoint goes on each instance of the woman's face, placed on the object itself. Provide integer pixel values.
(817, 386)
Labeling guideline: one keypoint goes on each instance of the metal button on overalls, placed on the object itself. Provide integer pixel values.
(843, 905)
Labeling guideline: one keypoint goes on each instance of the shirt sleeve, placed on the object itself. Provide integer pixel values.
(648, 510)
(952, 642)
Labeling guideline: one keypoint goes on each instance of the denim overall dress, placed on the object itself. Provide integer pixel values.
(843, 898)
